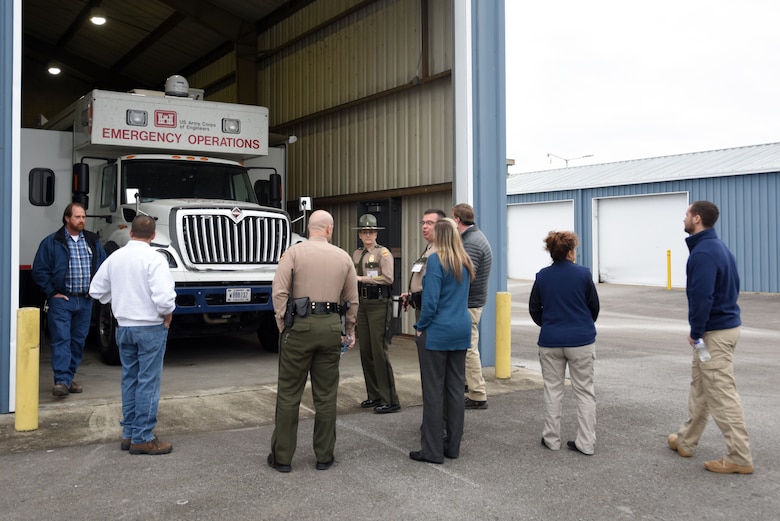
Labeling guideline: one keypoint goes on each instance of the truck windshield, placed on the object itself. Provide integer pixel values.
(174, 179)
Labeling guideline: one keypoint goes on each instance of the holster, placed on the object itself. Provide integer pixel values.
(299, 307)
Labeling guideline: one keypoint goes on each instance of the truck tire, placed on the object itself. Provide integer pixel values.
(268, 334)
(106, 336)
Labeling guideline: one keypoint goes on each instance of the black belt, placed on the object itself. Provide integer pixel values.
(82, 295)
(373, 291)
(324, 308)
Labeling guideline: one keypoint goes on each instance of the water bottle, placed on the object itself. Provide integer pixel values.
(701, 350)
(345, 344)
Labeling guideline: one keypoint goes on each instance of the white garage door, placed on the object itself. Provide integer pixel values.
(528, 225)
(634, 234)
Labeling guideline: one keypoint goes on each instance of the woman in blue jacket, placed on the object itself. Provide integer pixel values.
(446, 323)
(565, 304)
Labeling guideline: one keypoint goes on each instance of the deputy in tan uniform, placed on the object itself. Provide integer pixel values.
(313, 277)
(374, 266)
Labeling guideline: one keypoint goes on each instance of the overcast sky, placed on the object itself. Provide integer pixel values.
(624, 79)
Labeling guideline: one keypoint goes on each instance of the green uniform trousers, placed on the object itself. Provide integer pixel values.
(373, 323)
(310, 347)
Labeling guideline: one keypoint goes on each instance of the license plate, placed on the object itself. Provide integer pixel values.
(239, 295)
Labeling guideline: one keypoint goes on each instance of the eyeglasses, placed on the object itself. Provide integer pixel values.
(429, 223)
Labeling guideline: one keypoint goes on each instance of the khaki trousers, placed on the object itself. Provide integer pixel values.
(714, 392)
(474, 378)
(580, 361)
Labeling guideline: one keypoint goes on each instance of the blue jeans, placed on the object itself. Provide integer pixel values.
(68, 327)
(141, 350)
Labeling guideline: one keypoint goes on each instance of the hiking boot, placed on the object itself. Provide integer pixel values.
(153, 447)
(60, 389)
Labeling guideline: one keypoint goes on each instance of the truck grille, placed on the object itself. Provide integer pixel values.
(226, 236)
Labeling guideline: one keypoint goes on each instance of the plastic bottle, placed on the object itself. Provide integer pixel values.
(701, 350)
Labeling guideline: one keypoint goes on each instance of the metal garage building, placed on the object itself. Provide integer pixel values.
(629, 214)
(397, 105)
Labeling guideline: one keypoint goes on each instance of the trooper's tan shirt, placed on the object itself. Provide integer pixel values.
(377, 259)
(416, 280)
(323, 272)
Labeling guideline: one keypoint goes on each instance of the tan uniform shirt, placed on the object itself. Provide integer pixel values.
(377, 264)
(417, 275)
(323, 272)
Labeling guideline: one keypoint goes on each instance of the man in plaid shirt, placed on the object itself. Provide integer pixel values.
(65, 263)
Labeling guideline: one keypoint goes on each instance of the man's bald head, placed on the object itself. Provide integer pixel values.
(321, 224)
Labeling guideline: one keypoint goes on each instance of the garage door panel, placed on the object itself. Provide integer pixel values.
(528, 225)
(634, 234)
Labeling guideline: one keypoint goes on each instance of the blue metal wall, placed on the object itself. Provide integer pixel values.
(6, 177)
(489, 110)
(748, 221)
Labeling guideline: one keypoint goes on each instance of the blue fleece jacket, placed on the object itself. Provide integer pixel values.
(52, 259)
(713, 284)
(444, 314)
(565, 303)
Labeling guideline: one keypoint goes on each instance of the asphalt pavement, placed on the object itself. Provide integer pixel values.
(219, 418)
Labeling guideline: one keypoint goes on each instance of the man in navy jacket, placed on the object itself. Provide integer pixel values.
(713, 314)
(63, 267)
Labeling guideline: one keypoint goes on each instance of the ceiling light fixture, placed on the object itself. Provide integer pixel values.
(97, 16)
(54, 69)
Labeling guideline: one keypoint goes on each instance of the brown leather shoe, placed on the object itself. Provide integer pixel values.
(721, 466)
(60, 389)
(125, 444)
(153, 447)
(672, 442)
(75, 388)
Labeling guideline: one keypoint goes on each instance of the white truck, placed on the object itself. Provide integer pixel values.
(201, 169)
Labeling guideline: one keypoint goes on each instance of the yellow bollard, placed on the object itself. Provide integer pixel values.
(28, 357)
(668, 269)
(503, 335)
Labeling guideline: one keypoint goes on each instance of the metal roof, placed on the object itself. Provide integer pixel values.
(144, 41)
(752, 159)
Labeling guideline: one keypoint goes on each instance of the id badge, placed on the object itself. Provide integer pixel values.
(417, 267)
(373, 273)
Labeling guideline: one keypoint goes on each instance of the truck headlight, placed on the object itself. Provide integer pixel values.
(169, 258)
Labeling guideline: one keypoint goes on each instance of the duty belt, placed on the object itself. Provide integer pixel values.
(373, 291)
(324, 308)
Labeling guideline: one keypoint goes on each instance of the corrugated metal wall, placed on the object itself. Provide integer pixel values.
(365, 136)
(748, 221)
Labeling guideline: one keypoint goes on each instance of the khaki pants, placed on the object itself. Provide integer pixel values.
(474, 378)
(714, 392)
(580, 361)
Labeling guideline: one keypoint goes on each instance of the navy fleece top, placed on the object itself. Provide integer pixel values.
(565, 303)
(713, 284)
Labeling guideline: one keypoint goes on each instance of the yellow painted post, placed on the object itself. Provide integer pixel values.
(503, 335)
(28, 357)
(668, 269)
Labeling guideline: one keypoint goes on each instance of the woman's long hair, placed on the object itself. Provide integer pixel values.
(450, 249)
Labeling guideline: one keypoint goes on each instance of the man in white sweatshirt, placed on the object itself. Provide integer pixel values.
(138, 284)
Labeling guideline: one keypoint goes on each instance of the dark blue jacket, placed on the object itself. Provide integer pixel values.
(50, 266)
(713, 284)
(565, 303)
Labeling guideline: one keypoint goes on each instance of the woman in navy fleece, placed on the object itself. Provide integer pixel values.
(565, 304)
(446, 323)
